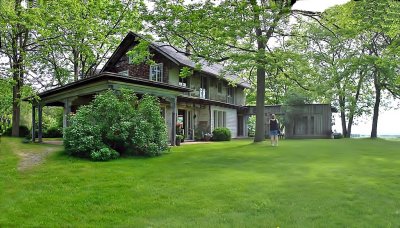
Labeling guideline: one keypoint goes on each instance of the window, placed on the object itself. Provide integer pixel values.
(230, 95)
(184, 82)
(124, 73)
(219, 119)
(219, 86)
(156, 72)
(203, 87)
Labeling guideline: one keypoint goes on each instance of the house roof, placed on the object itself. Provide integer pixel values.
(175, 56)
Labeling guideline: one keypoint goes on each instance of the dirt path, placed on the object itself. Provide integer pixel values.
(30, 159)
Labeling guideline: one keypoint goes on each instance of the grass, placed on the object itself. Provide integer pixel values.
(301, 183)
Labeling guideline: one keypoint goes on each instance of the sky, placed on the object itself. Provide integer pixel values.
(316, 5)
(389, 121)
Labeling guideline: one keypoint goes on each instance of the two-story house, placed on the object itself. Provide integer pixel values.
(193, 105)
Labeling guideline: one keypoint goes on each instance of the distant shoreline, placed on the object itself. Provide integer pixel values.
(379, 136)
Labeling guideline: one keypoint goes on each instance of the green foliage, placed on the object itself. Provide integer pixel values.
(104, 154)
(53, 132)
(221, 134)
(140, 53)
(251, 126)
(337, 136)
(120, 122)
(179, 137)
(185, 72)
(23, 131)
(224, 31)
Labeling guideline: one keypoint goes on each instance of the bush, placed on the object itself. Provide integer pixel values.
(53, 132)
(104, 154)
(23, 131)
(119, 122)
(221, 134)
(337, 135)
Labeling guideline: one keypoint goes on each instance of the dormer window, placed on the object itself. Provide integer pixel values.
(156, 72)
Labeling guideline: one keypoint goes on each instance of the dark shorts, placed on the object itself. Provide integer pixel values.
(273, 132)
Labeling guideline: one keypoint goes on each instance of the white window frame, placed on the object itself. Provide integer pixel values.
(230, 95)
(158, 72)
(219, 119)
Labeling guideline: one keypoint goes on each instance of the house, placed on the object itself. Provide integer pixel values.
(197, 104)
(194, 105)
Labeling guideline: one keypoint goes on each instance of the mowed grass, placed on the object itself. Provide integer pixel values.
(301, 183)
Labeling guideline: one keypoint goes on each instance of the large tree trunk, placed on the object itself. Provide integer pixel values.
(19, 41)
(16, 115)
(374, 131)
(354, 106)
(342, 105)
(260, 100)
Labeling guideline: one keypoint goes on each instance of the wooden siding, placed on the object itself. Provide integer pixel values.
(142, 70)
(231, 119)
(314, 120)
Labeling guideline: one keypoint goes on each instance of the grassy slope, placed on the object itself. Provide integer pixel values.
(302, 183)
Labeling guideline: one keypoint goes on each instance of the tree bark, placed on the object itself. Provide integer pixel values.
(378, 90)
(342, 105)
(16, 115)
(260, 99)
(353, 106)
(75, 54)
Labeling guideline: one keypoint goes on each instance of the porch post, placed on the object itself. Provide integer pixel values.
(245, 125)
(67, 110)
(33, 123)
(174, 113)
(40, 119)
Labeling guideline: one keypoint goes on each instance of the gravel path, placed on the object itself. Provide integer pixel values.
(30, 159)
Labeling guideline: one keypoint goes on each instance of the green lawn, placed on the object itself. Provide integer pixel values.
(301, 183)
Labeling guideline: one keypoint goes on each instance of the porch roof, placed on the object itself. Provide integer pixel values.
(108, 77)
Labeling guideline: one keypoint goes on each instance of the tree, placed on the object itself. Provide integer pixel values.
(47, 40)
(377, 24)
(234, 32)
(17, 19)
(82, 37)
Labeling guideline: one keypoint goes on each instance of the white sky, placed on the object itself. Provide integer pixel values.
(316, 5)
(389, 121)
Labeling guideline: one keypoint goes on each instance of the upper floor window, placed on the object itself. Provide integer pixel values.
(230, 95)
(156, 72)
(219, 86)
(203, 87)
(184, 82)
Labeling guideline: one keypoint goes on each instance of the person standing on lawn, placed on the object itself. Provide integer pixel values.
(274, 130)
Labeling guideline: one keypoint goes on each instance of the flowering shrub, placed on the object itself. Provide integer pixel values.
(119, 123)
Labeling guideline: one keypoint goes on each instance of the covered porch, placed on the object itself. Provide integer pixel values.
(82, 92)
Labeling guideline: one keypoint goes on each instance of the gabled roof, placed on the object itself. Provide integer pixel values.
(172, 54)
